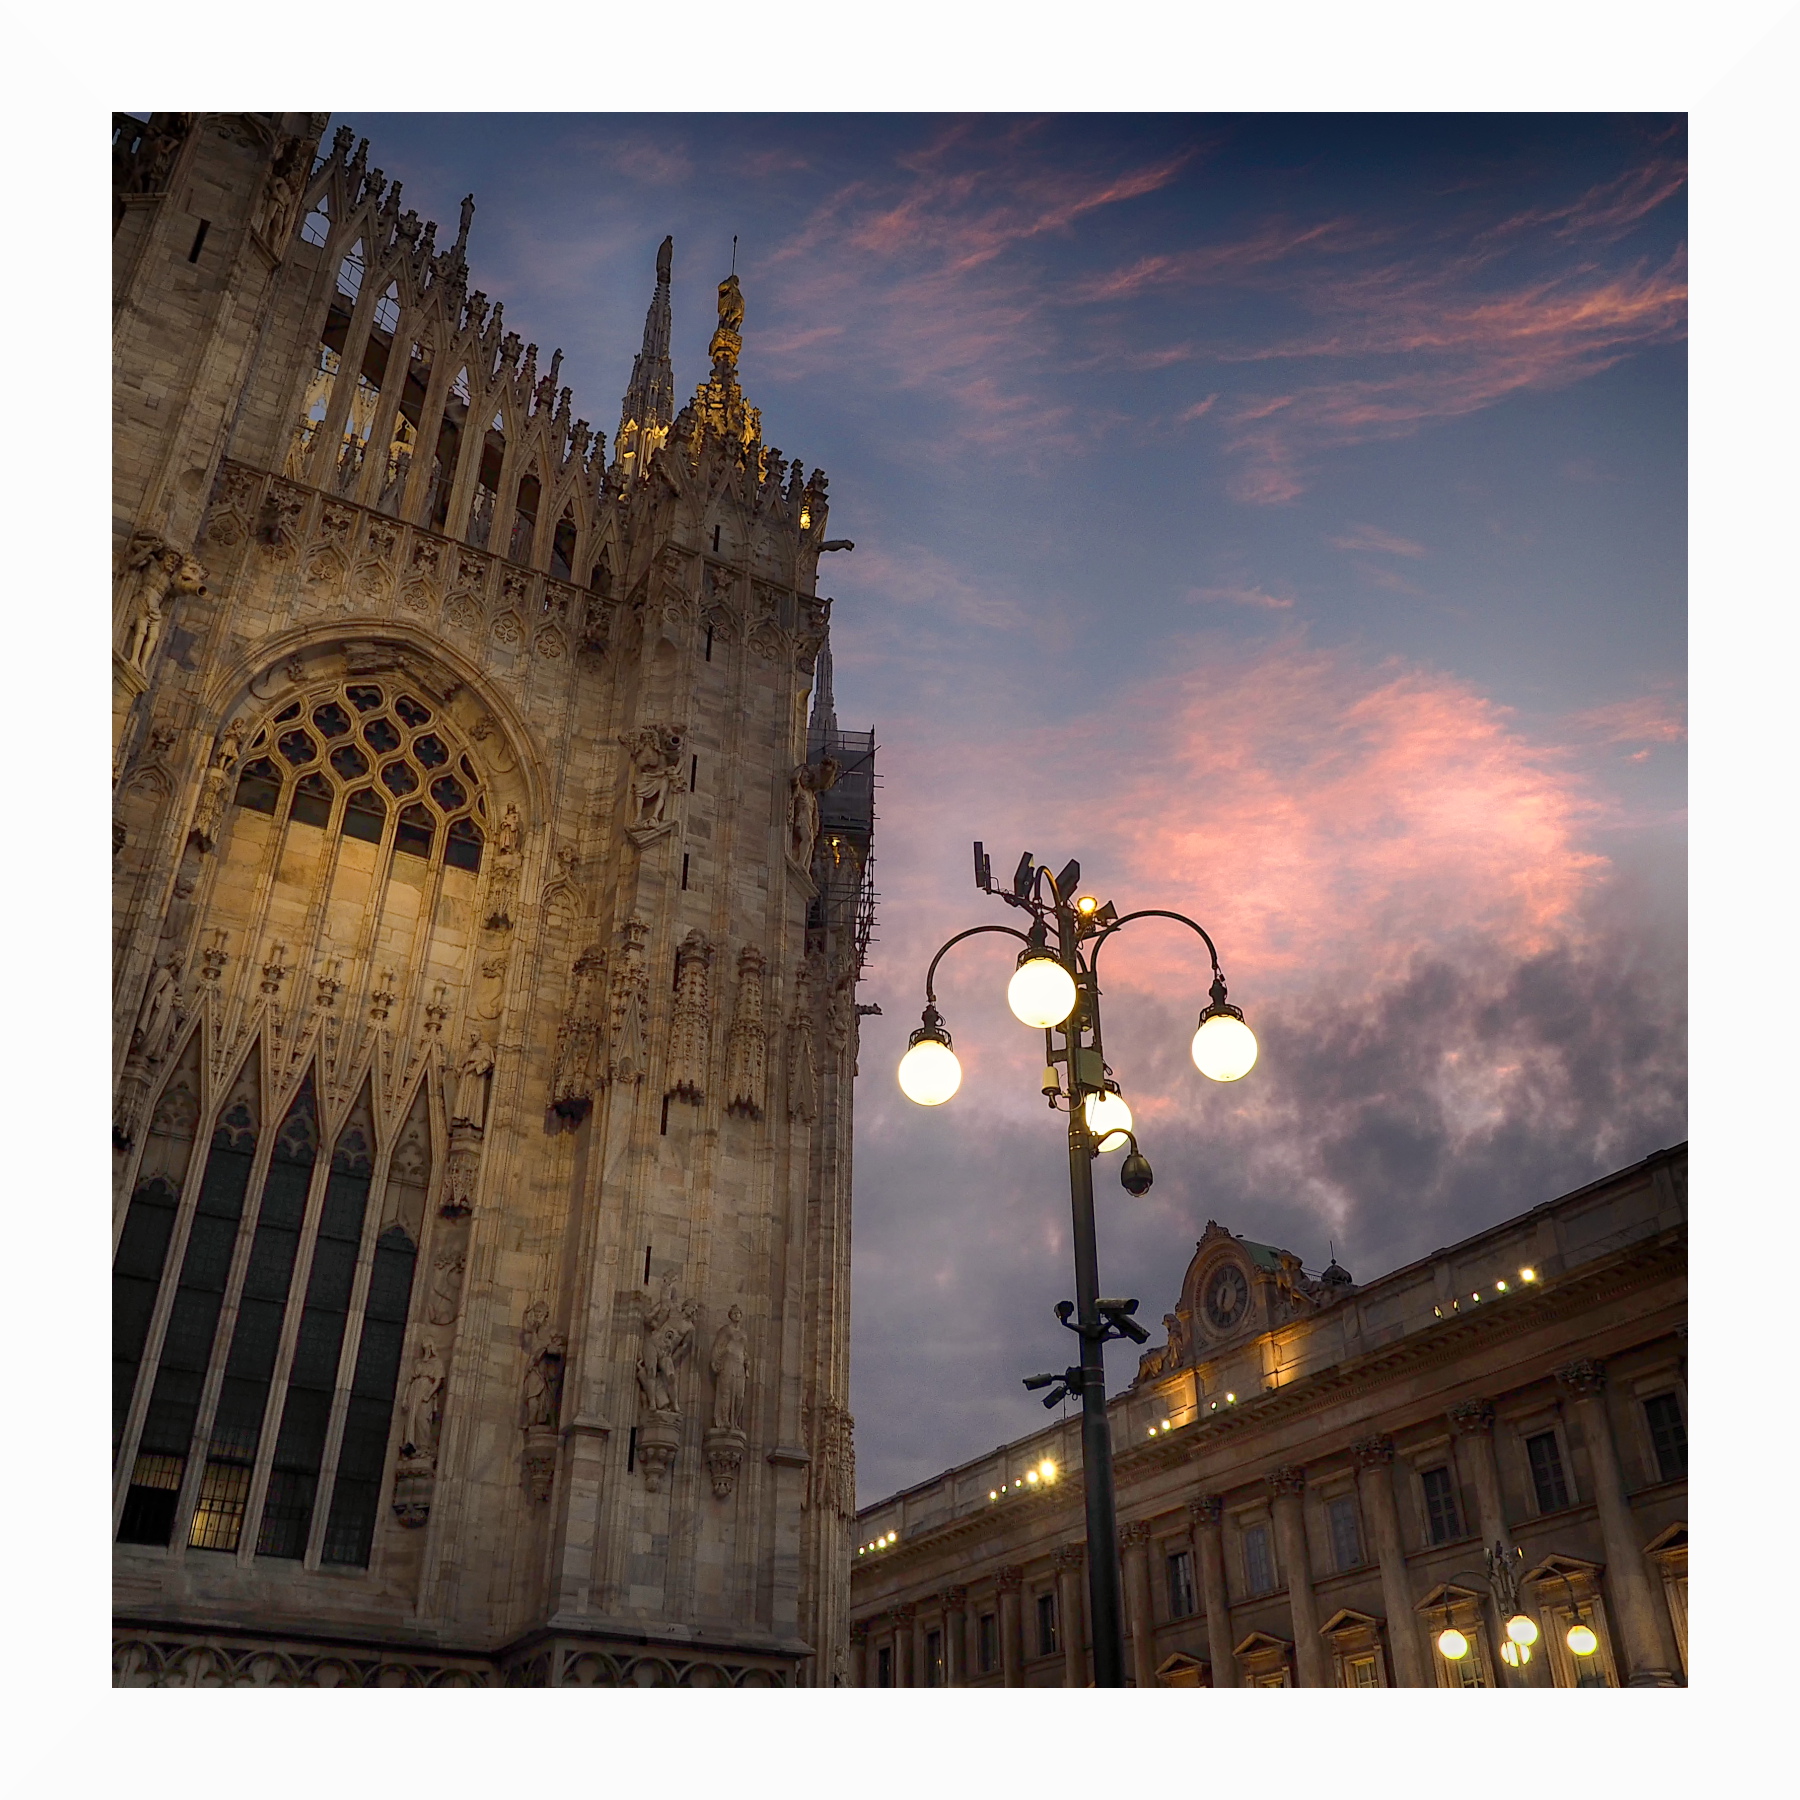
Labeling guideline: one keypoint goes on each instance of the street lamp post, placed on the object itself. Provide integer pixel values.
(1055, 989)
(1504, 1581)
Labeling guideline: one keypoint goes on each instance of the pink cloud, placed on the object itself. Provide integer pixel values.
(1647, 719)
(1373, 538)
(1243, 596)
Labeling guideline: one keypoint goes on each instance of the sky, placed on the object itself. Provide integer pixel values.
(1282, 515)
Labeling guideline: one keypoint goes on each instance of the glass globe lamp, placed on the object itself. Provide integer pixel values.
(1108, 1118)
(929, 1071)
(1522, 1629)
(1452, 1644)
(1582, 1640)
(1041, 992)
(1515, 1656)
(1224, 1047)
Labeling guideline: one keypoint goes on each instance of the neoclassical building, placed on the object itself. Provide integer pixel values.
(1310, 1471)
(491, 889)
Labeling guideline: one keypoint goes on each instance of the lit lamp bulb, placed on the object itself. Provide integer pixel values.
(1109, 1119)
(929, 1071)
(1452, 1645)
(1224, 1047)
(1041, 992)
(1522, 1629)
(1515, 1656)
(1582, 1640)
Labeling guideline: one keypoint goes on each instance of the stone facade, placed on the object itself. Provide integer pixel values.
(488, 917)
(1310, 1473)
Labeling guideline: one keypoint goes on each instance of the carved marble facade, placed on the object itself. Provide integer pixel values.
(461, 954)
(1309, 1470)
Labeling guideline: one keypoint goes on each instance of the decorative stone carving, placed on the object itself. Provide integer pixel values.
(211, 805)
(160, 1014)
(1071, 1556)
(1583, 1376)
(1373, 1452)
(1471, 1418)
(1207, 1511)
(746, 1047)
(668, 1339)
(421, 1406)
(503, 874)
(447, 1270)
(577, 1041)
(731, 1371)
(472, 1075)
(655, 753)
(1134, 1534)
(541, 1405)
(802, 1058)
(1009, 1579)
(724, 1457)
(1290, 1478)
(460, 1169)
(159, 571)
(630, 1005)
(278, 520)
(832, 1485)
(805, 785)
(691, 1041)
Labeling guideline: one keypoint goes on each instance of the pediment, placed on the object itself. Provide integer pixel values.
(1347, 1618)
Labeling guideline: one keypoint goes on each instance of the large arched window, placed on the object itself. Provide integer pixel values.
(367, 761)
(262, 1427)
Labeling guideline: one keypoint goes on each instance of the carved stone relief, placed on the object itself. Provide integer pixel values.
(656, 779)
(421, 1414)
(802, 1059)
(669, 1329)
(577, 1041)
(630, 1005)
(540, 1401)
(691, 1044)
(746, 1048)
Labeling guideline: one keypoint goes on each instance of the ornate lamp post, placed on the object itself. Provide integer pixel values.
(1502, 1576)
(1055, 989)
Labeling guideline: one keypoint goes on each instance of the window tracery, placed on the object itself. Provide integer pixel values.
(328, 764)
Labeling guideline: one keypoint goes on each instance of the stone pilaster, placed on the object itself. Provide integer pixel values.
(859, 1654)
(1012, 1644)
(1134, 1558)
(1375, 1479)
(1473, 1423)
(1070, 1560)
(956, 1626)
(1209, 1551)
(902, 1617)
(1287, 1485)
(1584, 1380)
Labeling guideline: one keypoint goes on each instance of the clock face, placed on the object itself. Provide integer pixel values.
(1227, 1298)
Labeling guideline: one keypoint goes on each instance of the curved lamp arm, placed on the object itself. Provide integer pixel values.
(1157, 912)
(973, 931)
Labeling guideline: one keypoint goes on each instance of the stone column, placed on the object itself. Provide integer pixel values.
(1626, 1575)
(1069, 1562)
(921, 1672)
(1287, 1484)
(956, 1649)
(1012, 1646)
(1375, 1479)
(903, 1644)
(1209, 1552)
(859, 1653)
(1473, 1422)
(1134, 1555)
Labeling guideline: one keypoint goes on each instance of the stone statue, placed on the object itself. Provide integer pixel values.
(731, 1371)
(446, 1286)
(211, 806)
(156, 1016)
(807, 783)
(544, 1383)
(669, 1336)
(506, 833)
(472, 1083)
(655, 754)
(421, 1405)
(161, 570)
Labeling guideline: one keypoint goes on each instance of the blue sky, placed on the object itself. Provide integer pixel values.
(1283, 515)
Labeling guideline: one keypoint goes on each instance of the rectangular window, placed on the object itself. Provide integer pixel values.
(1181, 1584)
(1547, 1479)
(1259, 1565)
(884, 1666)
(1362, 1672)
(1046, 1618)
(1468, 1672)
(1441, 1519)
(1668, 1435)
(934, 1659)
(1346, 1534)
(987, 1635)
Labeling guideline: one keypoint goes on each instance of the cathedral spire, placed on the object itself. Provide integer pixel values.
(649, 403)
(718, 407)
(822, 727)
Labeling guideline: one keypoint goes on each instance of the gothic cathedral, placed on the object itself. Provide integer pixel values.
(489, 908)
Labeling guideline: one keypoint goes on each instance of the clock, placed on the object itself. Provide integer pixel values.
(1227, 1298)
